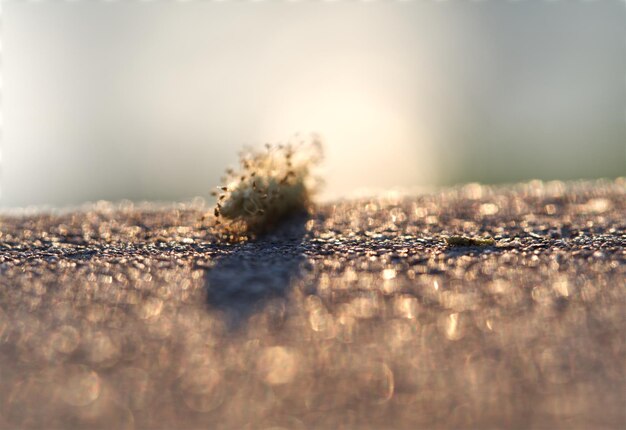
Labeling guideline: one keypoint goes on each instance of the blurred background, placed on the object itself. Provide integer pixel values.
(153, 100)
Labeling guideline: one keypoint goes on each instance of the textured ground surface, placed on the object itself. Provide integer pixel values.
(357, 317)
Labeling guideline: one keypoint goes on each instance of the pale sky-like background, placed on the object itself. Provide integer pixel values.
(152, 101)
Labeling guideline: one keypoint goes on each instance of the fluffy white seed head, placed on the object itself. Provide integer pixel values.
(272, 183)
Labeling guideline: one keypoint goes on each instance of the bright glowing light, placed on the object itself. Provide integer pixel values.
(370, 138)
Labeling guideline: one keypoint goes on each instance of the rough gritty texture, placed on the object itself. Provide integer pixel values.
(358, 317)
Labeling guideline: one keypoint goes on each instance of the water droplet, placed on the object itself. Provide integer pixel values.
(81, 386)
(405, 306)
(102, 349)
(561, 287)
(150, 308)
(452, 326)
(322, 322)
(489, 209)
(389, 274)
(201, 388)
(65, 339)
(277, 365)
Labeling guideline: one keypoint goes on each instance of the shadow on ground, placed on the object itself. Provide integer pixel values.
(256, 272)
(460, 251)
